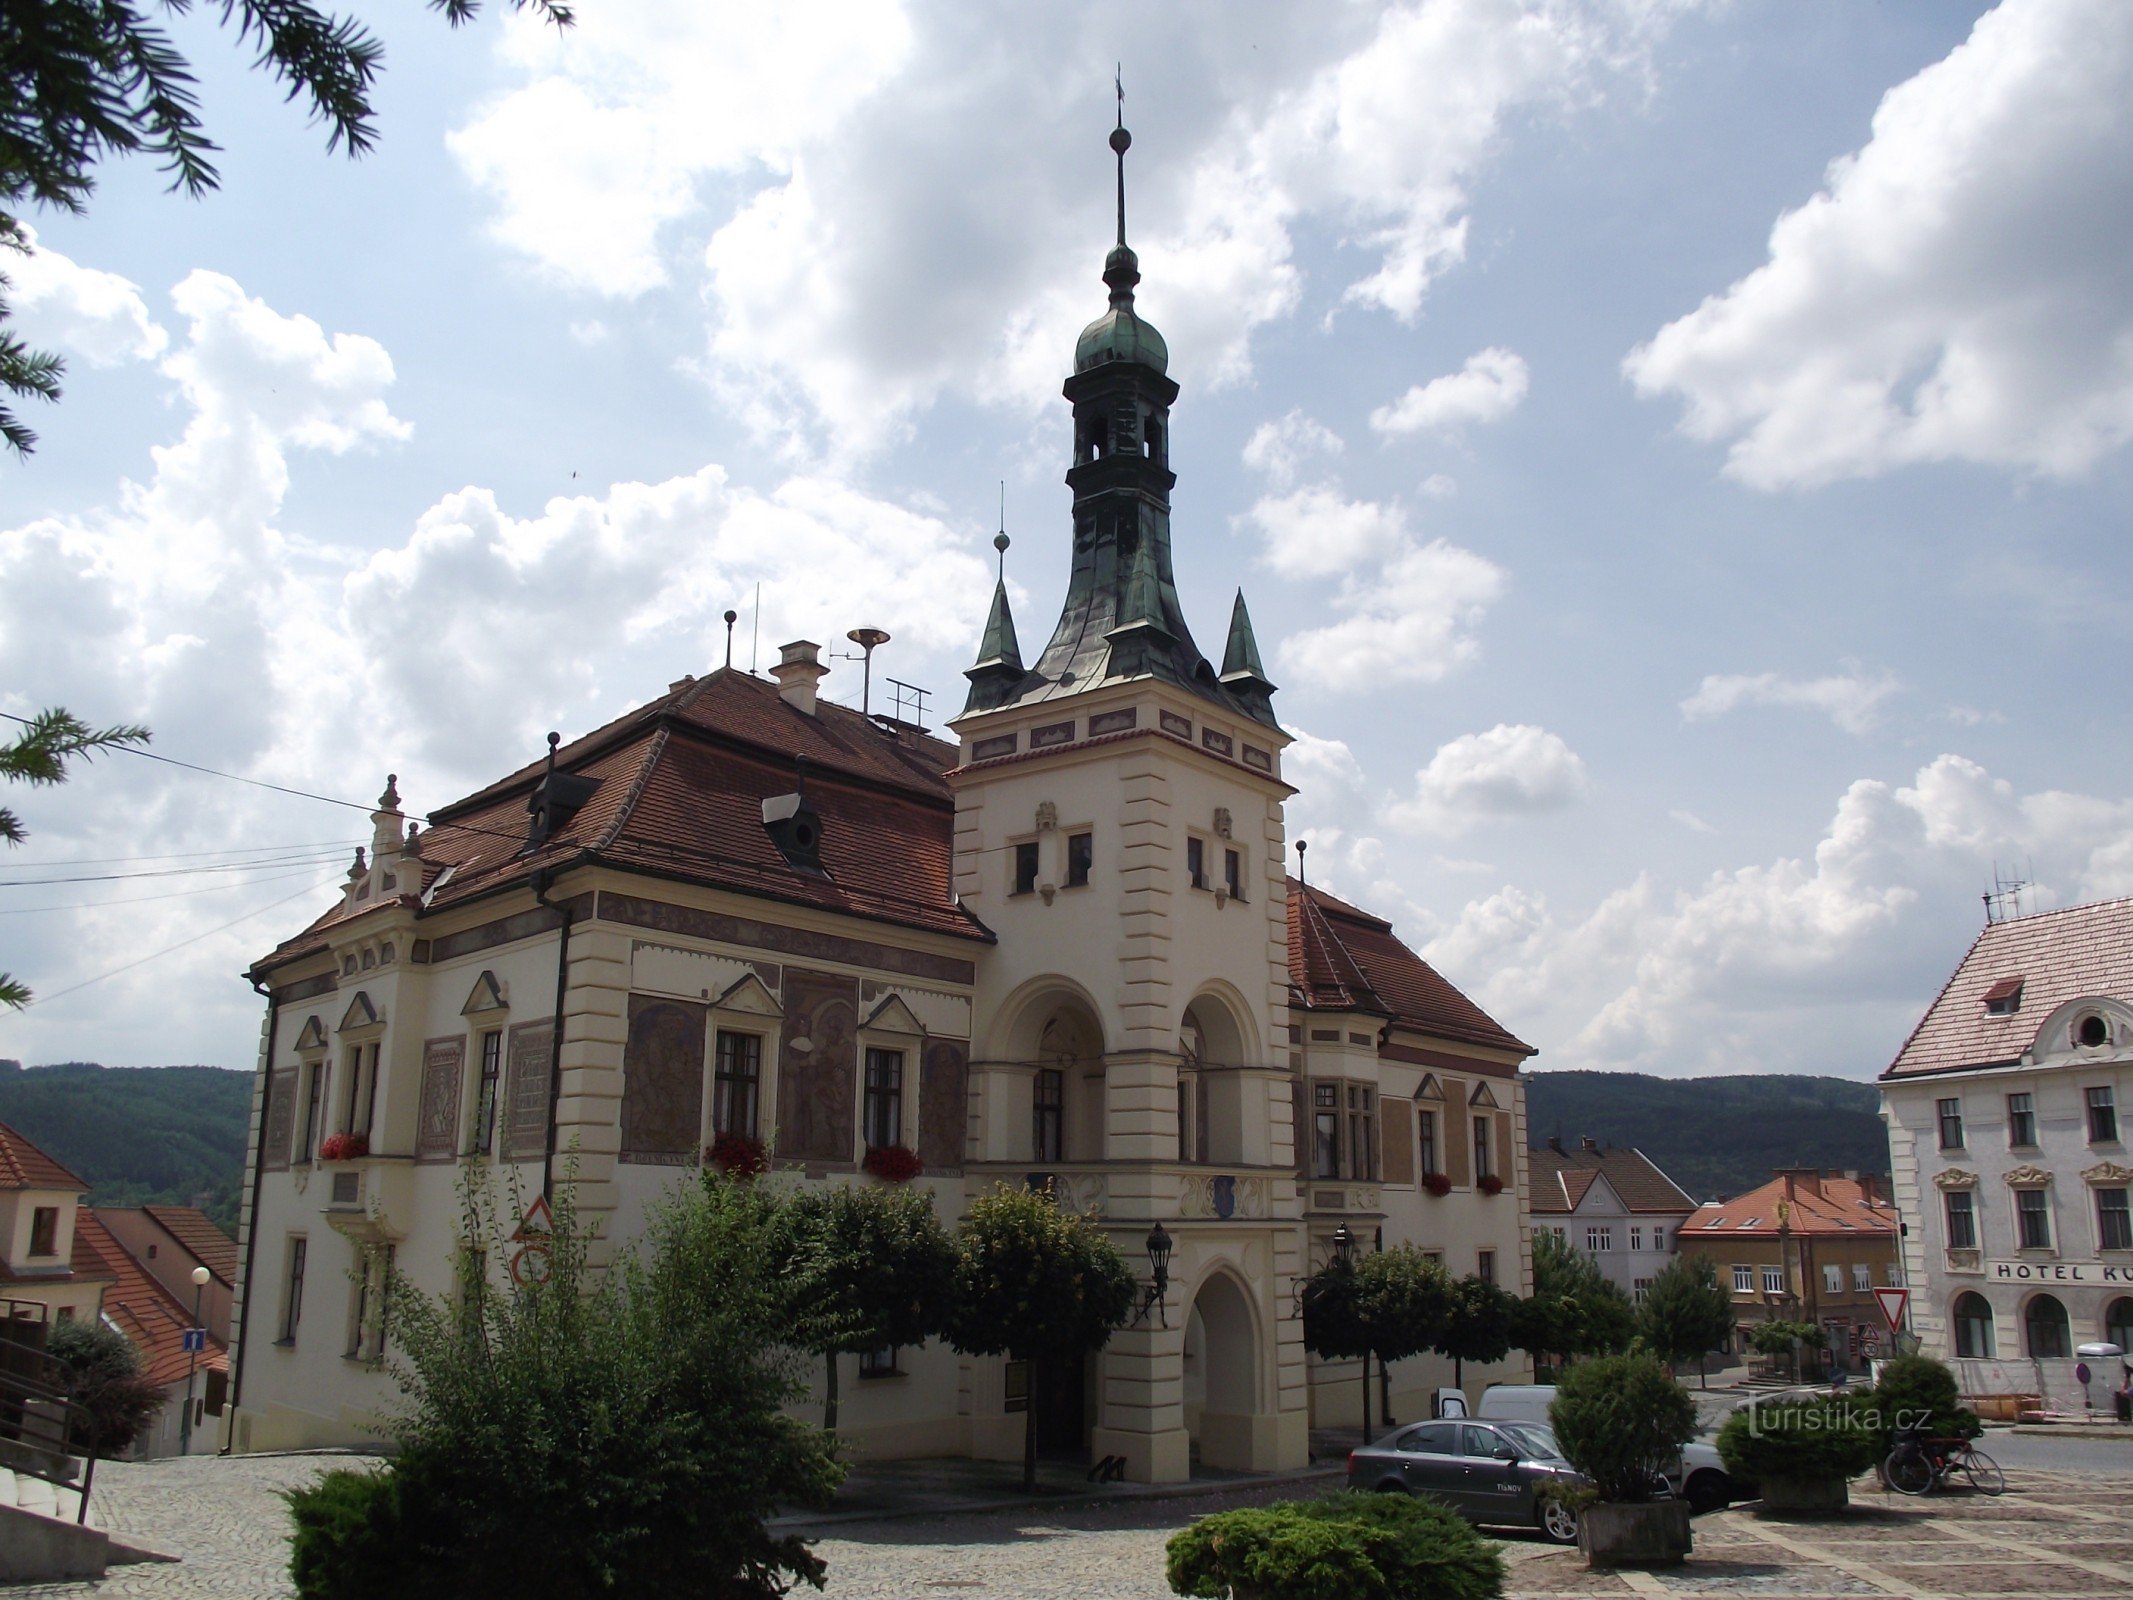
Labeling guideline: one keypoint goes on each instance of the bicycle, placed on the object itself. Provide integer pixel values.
(1919, 1465)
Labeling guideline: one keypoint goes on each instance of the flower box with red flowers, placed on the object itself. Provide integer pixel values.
(1437, 1184)
(737, 1155)
(892, 1163)
(1490, 1184)
(344, 1147)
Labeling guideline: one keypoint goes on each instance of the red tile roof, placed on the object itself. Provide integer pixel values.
(141, 1308)
(2057, 956)
(24, 1166)
(201, 1239)
(1827, 1206)
(1341, 958)
(681, 785)
(1563, 1176)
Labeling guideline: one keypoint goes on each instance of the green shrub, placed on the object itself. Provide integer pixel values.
(1919, 1390)
(1343, 1547)
(104, 1379)
(1619, 1420)
(1800, 1439)
(353, 1539)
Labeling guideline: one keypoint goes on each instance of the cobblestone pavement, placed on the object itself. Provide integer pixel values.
(2056, 1536)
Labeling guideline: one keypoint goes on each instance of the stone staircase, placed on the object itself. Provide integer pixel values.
(25, 1493)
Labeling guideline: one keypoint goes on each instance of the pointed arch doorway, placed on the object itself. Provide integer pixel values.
(1222, 1376)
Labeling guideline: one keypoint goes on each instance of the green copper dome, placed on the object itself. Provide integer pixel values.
(1121, 334)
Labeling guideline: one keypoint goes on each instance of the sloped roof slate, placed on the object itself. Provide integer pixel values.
(142, 1309)
(1561, 1179)
(202, 1240)
(1845, 1208)
(24, 1166)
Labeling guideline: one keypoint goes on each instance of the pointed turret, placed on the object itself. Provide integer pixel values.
(999, 665)
(1242, 673)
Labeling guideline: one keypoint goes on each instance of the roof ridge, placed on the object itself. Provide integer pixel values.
(656, 747)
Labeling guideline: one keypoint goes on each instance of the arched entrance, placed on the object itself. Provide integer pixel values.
(1221, 1374)
(2044, 1321)
(2118, 1323)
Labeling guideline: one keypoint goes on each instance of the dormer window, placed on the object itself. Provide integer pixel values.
(2004, 998)
(555, 801)
(2091, 1032)
(795, 827)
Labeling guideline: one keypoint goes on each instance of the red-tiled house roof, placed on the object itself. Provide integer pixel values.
(24, 1166)
(1561, 1178)
(680, 786)
(200, 1239)
(141, 1308)
(1341, 958)
(1823, 1205)
(2038, 963)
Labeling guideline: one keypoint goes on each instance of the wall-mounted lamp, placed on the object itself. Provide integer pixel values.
(1159, 1246)
(1343, 1246)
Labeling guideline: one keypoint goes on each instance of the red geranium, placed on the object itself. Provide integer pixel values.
(737, 1155)
(892, 1163)
(1490, 1184)
(1437, 1184)
(344, 1147)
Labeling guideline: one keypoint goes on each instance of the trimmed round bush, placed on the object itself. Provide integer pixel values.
(1619, 1420)
(1343, 1547)
(1919, 1391)
(1800, 1440)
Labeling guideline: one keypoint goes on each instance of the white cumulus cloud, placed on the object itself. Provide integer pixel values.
(1510, 770)
(1487, 389)
(1851, 700)
(1413, 620)
(97, 315)
(1956, 291)
(1279, 449)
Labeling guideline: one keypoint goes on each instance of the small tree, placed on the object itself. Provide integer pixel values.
(1573, 1310)
(584, 1433)
(1686, 1311)
(1619, 1420)
(103, 1373)
(1036, 1284)
(1477, 1326)
(1390, 1303)
(866, 1267)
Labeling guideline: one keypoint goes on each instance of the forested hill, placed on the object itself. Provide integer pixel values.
(140, 1135)
(1715, 1136)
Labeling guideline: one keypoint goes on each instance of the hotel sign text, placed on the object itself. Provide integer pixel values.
(2057, 1272)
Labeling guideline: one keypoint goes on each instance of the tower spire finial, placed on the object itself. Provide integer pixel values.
(1121, 141)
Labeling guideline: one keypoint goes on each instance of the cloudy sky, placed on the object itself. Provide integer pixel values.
(1676, 455)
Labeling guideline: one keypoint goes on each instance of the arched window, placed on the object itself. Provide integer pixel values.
(2044, 1320)
(2118, 1323)
(1973, 1327)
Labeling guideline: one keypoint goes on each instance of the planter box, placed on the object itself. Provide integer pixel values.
(1655, 1534)
(1806, 1497)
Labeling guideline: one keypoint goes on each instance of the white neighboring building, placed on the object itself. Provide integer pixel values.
(1614, 1204)
(2006, 1112)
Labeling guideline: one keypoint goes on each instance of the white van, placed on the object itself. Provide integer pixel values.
(1516, 1402)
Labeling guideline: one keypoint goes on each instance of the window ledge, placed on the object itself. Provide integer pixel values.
(285, 1344)
(876, 1377)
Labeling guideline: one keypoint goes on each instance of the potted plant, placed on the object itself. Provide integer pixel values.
(1437, 1184)
(1619, 1421)
(892, 1163)
(1489, 1183)
(1802, 1453)
(344, 1147)
(737, 1155)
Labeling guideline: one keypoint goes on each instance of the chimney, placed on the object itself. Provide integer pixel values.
(1590, 1143)
(798, 670)
(1801, 1180)
(1555, 1143)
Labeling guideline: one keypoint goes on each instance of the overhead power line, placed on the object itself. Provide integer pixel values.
(312, 859)
(174, 894)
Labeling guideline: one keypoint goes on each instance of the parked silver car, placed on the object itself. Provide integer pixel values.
(1492, 1473)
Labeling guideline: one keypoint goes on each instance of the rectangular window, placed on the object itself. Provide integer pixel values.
(1962, 1220)
(1658, 1238)
(44, 1231)
(1744, 1280)
(2114, 1224)
(884, 1118)
(1773, 1280)
(1049, 1124)
(1188, 1123)
(1325, 1130)
(1484, 1148)
(1426, 1126)
(366, 1331)
(1892, 1275)
(737, 1084)
(879, 1363)
(1362, 1132)
(314, 1097)
(1640, 1287)
(1636, 1238)
(1196, 862)
(1025, 867)
(1081, 855)
(1233, 873)
(2033, 1219)
(1862, 1280)
(292, 1292)
(2103, 1116)
(1832, 1279)
(492, 1073)
(1598, 1239)
(1951, 1124)
(2021, 1120)
(1485, 1266)
(362, 1089)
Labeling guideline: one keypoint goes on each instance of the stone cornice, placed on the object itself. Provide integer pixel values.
(2028, 1177)
(1955, 1178)
(2108, 1173)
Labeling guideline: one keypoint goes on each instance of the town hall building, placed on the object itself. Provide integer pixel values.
(1061, 949)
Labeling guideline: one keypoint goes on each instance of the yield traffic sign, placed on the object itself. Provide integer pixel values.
(1893, 1302)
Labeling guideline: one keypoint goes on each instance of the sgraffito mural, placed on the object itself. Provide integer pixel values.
(818, 1067)
(663, 1081)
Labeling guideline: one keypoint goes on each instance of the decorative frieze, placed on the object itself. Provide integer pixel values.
(2108, 1175)
(1221, 1196)
(2028, 1177)
(1955, 1178)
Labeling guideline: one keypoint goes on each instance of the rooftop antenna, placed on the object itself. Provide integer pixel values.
(731, 618)
(2004, 903)
(757, 625)
(868, 639)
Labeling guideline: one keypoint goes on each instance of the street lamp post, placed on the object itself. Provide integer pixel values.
(193, 1341)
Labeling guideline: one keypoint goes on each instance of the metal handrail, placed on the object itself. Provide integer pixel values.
(43, 1421)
